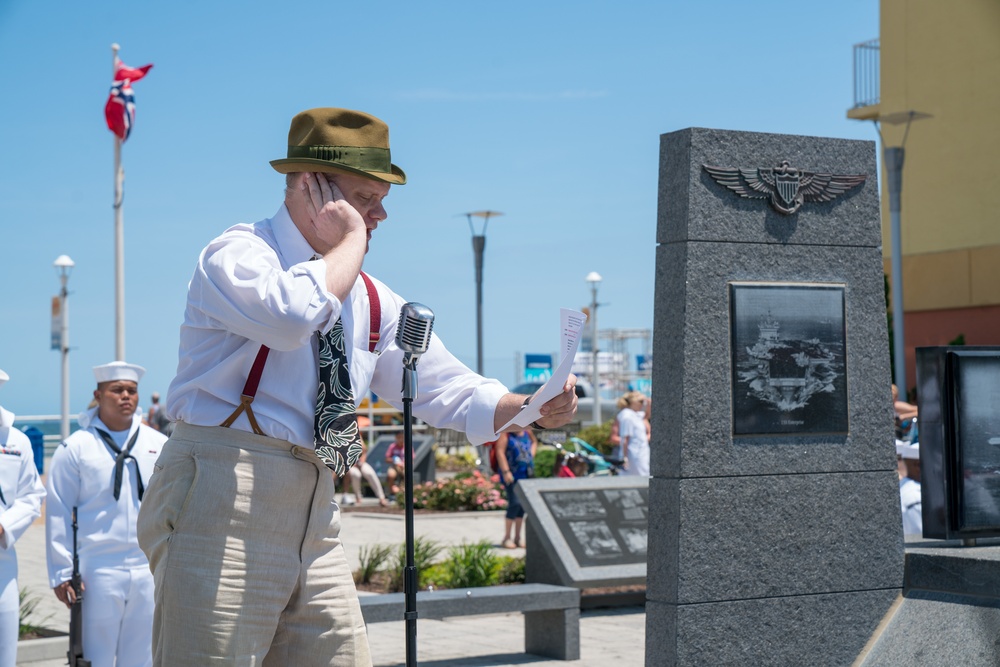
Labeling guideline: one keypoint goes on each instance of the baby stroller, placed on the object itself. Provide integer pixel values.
(597, 464)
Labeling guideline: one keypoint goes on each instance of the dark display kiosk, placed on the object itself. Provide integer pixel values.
(958, 396)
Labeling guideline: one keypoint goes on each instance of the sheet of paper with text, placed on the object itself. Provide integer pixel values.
(570, 327)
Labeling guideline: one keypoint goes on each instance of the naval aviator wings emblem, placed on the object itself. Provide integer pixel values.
(787, 187)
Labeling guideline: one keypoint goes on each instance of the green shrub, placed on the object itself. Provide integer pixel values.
(373, 558)
(435, 576)
(545, 461)
(511, 570)
(598, 435)
(472, 565)
(27, 609)
(424, 552)
(467, 566)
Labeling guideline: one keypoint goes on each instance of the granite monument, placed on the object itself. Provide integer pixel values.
(775, 535)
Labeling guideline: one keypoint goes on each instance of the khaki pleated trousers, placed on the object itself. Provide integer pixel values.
(243, 537)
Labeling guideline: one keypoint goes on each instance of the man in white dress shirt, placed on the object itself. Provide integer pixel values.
(21, 494)
(244, 535)
(102, 470)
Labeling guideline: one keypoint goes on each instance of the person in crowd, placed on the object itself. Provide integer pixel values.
(21, 494)
(395, 474)
(363, 469)
(516, 459)
(154, 408)
(157, 417)
(908, 455)
(242, 537)
(633, 428)
(101, 471)
(902, 409)
(617, 454)
(647, 418)
(905, 413)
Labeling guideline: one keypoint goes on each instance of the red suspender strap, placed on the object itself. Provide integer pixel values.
(375, 316)
(250, 388)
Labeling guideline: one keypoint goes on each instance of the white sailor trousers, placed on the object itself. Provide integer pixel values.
(117, 616)
(9, 607)
(243, 537)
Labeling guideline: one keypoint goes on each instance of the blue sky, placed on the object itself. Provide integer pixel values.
(547, 111)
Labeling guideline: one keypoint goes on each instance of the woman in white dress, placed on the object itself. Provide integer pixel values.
(633, 434)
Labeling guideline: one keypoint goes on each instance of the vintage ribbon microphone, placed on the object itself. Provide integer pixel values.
(413, 336)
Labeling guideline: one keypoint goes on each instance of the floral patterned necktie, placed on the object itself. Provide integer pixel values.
(338, 440)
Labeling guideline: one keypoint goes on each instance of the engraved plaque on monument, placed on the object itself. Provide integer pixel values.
(789, 368)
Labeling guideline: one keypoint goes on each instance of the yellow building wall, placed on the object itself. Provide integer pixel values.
(943, 58)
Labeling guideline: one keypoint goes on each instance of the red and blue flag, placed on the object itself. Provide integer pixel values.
(120, 108)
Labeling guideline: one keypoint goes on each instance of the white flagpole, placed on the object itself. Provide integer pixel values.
(119, 238)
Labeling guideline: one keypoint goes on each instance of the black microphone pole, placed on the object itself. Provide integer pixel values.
(410, 571)
(413, 336)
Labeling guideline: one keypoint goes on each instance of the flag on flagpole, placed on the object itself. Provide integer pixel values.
(120, 108)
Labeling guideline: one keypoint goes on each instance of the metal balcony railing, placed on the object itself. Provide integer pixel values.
(866, 73)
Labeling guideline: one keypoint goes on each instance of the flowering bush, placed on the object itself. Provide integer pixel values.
(464, 491)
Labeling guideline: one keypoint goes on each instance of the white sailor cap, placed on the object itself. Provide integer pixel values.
(118, 370)
(908, 450)
(3, 377)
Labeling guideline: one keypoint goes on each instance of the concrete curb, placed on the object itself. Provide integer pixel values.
(45, 648)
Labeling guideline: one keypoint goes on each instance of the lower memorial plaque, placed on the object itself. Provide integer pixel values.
(600, 527)
(594, 529)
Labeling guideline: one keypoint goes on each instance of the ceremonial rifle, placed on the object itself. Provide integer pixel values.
(75, 652)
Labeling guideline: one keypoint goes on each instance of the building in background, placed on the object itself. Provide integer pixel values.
(941, 59)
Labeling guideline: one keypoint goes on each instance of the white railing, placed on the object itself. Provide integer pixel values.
(866, 73)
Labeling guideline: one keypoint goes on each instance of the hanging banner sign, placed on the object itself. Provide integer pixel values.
(56, 324)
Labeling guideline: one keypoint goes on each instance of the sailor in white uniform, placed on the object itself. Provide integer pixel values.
(102, 470)
(21, 494)
(909, 487)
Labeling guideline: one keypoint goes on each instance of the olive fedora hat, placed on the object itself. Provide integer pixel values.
(340, 140)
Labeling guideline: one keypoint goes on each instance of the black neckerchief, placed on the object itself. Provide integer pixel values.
(121, 455)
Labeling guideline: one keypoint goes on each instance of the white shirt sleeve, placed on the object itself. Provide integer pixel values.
(27, 504)
(240, 284)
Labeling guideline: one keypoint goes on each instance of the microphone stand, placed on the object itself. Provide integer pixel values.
(410, 571)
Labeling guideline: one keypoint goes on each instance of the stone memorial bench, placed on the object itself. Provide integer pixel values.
(551, 613)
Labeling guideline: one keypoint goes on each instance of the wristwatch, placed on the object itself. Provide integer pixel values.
(534, 424)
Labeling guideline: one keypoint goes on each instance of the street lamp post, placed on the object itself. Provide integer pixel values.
(64, 265)
(894, 170)
(594, 278)
(478, 246)
(893, 158)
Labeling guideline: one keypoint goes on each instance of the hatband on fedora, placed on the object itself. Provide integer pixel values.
(332, 140)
